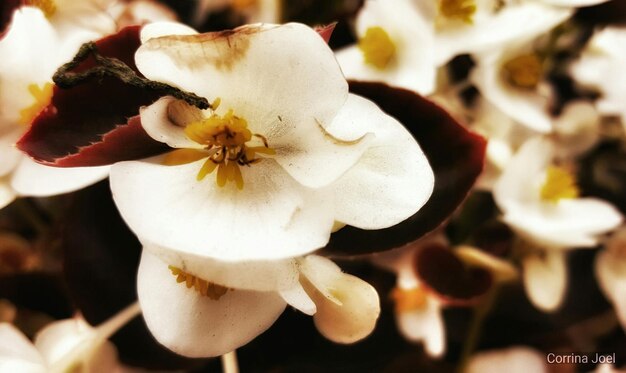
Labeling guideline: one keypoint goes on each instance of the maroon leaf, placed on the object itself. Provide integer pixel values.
(326, 31)
(455, 154)
(87, 125)
(442, 273)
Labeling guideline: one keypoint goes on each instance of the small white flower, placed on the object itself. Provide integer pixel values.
(601, 66)
(208, 316)
(518, 359)
(287, 153)
(541, 203)
(36, 43)
(63, 346)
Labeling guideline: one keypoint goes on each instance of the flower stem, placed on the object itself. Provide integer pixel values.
(475, 328)
(229, 362)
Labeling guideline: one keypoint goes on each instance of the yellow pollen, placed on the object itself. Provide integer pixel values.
(559, 184)
(458, 9)
(377, 47)
(224, 139)
(42, 97)
(524, 71)
(408, 299)
(205, 288)
(48, 7)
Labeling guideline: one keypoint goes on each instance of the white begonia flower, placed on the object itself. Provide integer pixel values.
(576, 130)
(396, 46)
(601, 66)
(418, 312)
(36, 43)
(134, 12)
(265, 175)
(512, 79)
(540, 202)
(610, 270)
(64, 345)
(518, 359)
(574, 3)
(200, 317)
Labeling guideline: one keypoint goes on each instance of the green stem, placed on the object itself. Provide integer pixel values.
(474, 333)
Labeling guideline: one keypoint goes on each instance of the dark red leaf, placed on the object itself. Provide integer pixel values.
(80, 126)
(455, 154)
(445, 275)
(326, 31)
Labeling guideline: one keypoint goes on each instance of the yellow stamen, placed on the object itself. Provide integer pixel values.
(524, 71)
(408, 299)
(224, 139)
(377, 47)
(458, 9)
(42, 97)
(48, 7)
(205, 288)
(183, 156)
(559, 184)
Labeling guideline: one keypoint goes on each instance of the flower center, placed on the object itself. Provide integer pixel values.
(458, 9)
(523, 71)
(48, 7)
(408, 299)
(205, 288)
(559, 184)
(225, 140)
(42, 97)
(377, 47)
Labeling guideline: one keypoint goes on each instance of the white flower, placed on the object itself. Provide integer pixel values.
(402, 42)
(601, 66)
(208, 316)
(136, 12)
(396, 46)
(63, 346)
(540, 202)
(576, 130)
(36, 43)
(518, 359)
(610, 269)
(304, 153)
(268, 11)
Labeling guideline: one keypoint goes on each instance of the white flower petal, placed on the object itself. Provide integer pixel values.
(273, 217)
(514, 22)
(9, 154)
(198, 326)
(156, 120)
(158, 29)
(610, 270)
(568, 223)
(347, 307)
(413, 67)
(545, 279)
(510, 360)
(574, 3)
(33, 179)
(61, 338)
(259, 275)
(577, 130)
(7, 194)
(301, 86)
(15, 348)
(528, 107)
(391, 181)
(425, 325)
(299, 299)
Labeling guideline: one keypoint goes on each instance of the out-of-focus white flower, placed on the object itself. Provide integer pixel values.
(576, 130)
(64, 345)
(268, 11)
(396, 46)
(209, 317)
(601, 66)
(139, 12)
(512, 79)
(517, 359)
(574, 3)
(266, 174)
(541, 203)
(36, 43)
(610, 268)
